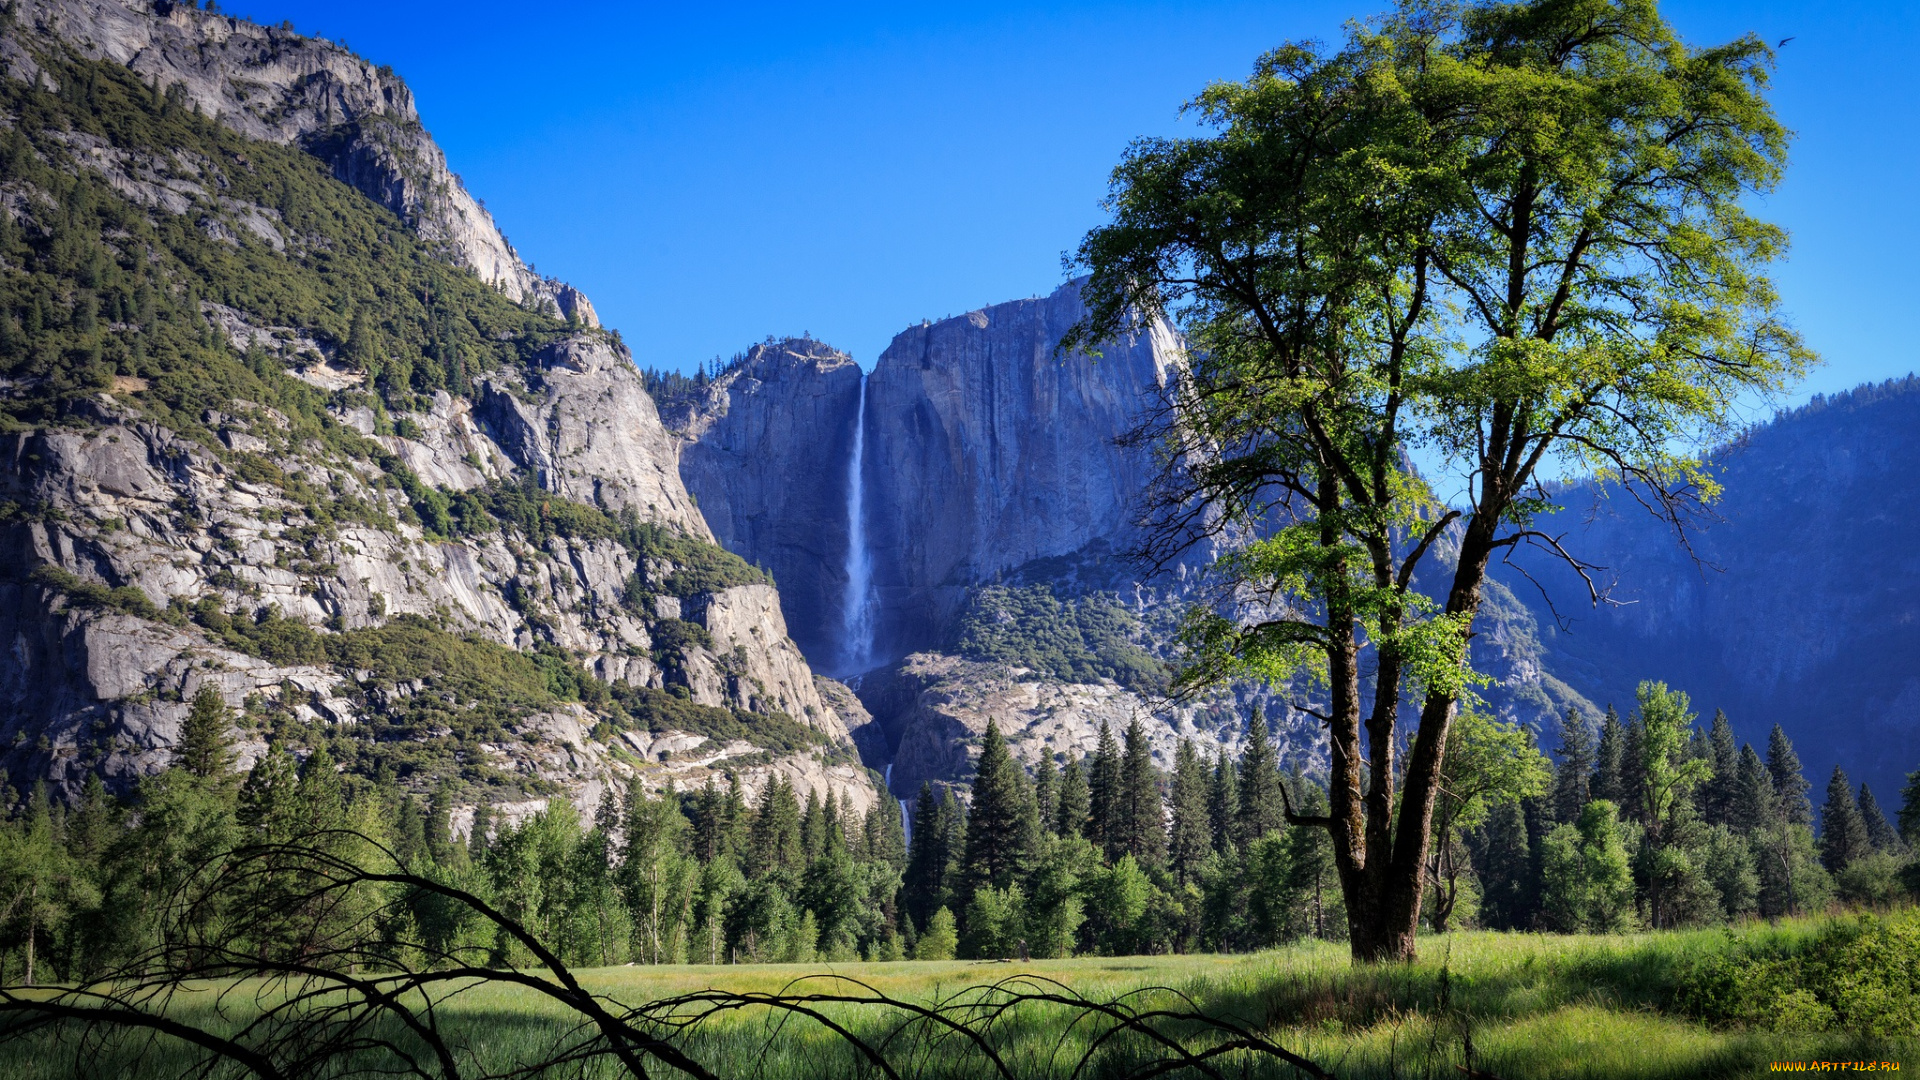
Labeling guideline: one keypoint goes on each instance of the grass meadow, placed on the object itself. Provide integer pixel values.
(1512, 1006)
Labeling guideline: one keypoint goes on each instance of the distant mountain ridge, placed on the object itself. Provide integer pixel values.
(1802, 609)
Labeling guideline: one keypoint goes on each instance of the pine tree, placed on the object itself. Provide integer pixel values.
(1261, 811)
(886, 839)
(1609, 756)
(1192, 838)
(205, 748)
(1753, 793)
(1103, 794)
(940, 939)
(774, 844)
(1143, 814)
(1879, 832)
(1843, 835)
(440, 846)
(995, 853)
(1909, 818)
(1633, 771)
(924, 886)
(1046, 791)
(813, 831)
(708, 812)
(1722, 789)
(1070, 817)
(1510, 895)
(477, 833)
(1573, 771)
(1223, 802)
(1790, 785)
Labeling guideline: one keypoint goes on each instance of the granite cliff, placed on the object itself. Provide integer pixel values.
(998, 508)
(285, 416)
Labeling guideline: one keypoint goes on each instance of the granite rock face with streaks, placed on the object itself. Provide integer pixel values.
(764, 449)
(115, 500)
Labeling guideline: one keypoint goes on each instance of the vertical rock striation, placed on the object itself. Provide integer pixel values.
(989, 451)
(763, 449)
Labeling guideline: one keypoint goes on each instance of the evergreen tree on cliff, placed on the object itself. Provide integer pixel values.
(205, 748)
(1476, 227)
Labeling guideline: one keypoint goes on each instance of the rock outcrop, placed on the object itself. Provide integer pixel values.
(989, 458)
(505, 582)
(1793, 604)
(271, 84)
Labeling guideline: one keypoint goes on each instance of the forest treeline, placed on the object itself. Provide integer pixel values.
(1652, 821)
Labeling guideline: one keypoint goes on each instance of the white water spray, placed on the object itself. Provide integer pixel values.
(857, 607)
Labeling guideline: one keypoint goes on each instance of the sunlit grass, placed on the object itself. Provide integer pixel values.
(1514, 1006)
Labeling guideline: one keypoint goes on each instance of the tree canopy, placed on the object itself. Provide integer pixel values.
(1508, 240)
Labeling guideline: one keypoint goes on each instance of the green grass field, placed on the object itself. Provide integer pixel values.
(1528, 1006)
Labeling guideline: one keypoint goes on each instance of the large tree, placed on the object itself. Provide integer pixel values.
(1508, 239)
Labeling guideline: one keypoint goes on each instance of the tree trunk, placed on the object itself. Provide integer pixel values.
(1385, 925)
(33, 920)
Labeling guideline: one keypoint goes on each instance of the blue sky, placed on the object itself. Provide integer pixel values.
(711, 175)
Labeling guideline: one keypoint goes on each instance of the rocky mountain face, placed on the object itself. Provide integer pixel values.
(318, 439)
(998, 507)
(1799, 605)
(988, 452)
(765, 448)
(272, 85)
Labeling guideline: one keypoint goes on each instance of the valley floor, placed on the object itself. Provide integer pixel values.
(1512, 1006)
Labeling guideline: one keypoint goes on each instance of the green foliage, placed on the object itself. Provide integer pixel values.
(940, 939)
(1588, 881)
(205, 748)
(124, 600)
(97, 287)
(1858, 975)
(662, 710)
(1514, 236)
(1078, 639)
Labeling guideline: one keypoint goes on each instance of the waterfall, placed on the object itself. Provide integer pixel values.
(857, 607)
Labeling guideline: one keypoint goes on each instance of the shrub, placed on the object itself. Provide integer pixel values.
(1857, 975)
(126, 599)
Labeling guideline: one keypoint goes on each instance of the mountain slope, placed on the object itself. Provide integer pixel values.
(1802, 608)
(284, 416)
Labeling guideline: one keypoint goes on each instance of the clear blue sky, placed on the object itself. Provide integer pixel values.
(711, 175)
